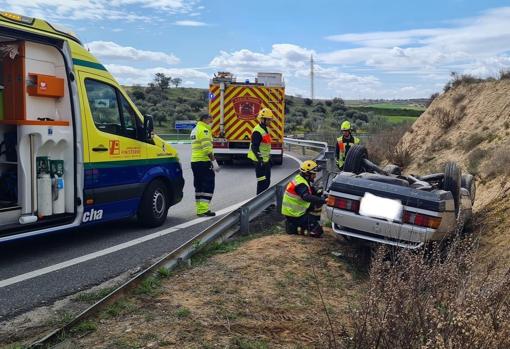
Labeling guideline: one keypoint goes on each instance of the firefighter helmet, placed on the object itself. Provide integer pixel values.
(346, 126)
(265, 113)
(309, 166)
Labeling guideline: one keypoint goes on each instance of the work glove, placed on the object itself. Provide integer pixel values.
(215, 166)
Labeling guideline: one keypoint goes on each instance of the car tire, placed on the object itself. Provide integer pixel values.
(154, 205)
(468, 182)
(354, 160)
(452, 182)
(392, 169)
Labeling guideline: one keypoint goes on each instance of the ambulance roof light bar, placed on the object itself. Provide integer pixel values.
(17, 18)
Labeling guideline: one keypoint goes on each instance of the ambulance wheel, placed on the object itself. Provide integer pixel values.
(154, 205)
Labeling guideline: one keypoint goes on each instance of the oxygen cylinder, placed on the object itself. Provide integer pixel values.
(44, 192)
(44, 196)
(59, 197)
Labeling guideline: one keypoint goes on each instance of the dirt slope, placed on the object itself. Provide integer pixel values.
(470, 124)
(263, 295)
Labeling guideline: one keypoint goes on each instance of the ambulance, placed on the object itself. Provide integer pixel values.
(234, 106)
(74, 149)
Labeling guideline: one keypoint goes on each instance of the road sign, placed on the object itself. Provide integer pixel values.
(185, 124)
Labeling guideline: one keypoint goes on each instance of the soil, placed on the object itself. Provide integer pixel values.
(481, 124)
(262, 295)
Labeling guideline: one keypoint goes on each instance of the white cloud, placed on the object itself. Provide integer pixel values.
(112, 50)
(129, 75)
(123, 10)
(469, 43)
(188, 23)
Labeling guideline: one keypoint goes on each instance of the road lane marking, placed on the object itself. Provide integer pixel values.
(32, 274)
(293, 158)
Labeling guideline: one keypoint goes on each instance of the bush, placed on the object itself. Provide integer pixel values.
(504, 74)
(445, 118)
(498, 163)
(431, 99)
(459, 97)
(475, 158)
(308, 101)
(435, 302)
(384, 146)
(472, 141)
(460, 79)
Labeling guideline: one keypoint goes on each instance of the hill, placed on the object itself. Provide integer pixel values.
(470, 124)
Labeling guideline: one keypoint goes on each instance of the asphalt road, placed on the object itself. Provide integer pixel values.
(40, 270)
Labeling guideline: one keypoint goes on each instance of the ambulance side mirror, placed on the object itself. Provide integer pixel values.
(148, 127)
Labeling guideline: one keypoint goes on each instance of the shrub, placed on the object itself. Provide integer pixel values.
(472, 141)
(504, 74)
(498, 163)
(475, 158)
(460, 79)
(431, 99)
(308, 101)
(435, 302)
(459, 97)
(383, 146)
(445, 118)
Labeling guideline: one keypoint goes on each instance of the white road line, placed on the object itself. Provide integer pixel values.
(88, 257)
(293, 158)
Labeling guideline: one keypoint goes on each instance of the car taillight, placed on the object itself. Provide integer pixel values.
(220, 144)
(421, 220)
(343, 203)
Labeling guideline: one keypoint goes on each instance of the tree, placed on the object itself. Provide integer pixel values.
(176, 82)
(309, 125)
(138, 94)
(162, 81)
(308, 101)
(196, 105)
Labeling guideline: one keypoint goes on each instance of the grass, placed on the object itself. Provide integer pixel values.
(242, 343)
(395, 106)
(397, 119)
(84, 327)
(149, 286)
(120, 307)
(93, 297)
(182, 312)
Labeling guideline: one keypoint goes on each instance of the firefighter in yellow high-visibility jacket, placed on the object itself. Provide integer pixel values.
(203, 165)
(260, 149)
(344, 143)
(302, 203)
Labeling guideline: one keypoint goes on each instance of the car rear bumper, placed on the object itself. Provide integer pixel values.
(381, 231)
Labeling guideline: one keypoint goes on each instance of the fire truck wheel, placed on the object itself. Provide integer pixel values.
(154, 205)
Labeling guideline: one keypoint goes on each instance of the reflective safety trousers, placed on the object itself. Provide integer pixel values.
(344, 148)
(293, 205)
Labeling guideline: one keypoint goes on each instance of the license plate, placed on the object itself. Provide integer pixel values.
(377, 207)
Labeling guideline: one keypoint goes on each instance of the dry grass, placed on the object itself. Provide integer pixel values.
(384, 146)
(418, 302)
(263, 295)
(498, 163)
(444, 117)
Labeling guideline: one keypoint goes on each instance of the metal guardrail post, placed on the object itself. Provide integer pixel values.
(244, 219)
(303, 149)
(280, 189)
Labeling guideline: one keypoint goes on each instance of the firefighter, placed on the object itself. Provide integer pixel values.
(203, 165)
(260, 149)
(302, 204)
(344, 143)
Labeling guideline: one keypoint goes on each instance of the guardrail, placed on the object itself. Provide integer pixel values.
(236, 221)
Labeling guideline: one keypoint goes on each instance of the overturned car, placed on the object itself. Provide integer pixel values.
(381, 205)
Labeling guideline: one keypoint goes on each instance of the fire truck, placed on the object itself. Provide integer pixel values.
(234, 106)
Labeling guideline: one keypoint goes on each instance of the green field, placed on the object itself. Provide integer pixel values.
(396, 106)
(397, 119)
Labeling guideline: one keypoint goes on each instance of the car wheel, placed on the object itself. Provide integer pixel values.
(452, 182)
(154, 205)
(354, 159)
(468, 182)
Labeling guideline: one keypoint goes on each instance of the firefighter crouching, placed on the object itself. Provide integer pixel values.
(302, 204)
(203, 165)
(344, 143)
(260, 149)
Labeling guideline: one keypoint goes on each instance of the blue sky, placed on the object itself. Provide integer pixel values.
(362, 49)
